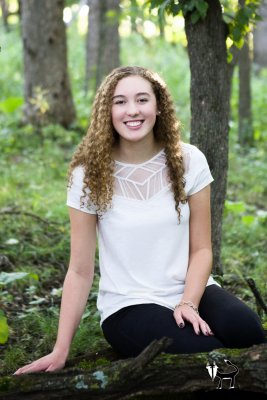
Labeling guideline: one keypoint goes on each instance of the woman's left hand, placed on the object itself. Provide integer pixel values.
(185, 313)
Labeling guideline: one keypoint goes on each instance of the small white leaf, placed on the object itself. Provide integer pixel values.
(12, 241)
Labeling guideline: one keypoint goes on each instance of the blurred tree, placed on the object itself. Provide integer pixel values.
(245, 128)
(162, 28)
(133, 13)
(47, 90)
(4, 9)
(102, 46)
(92, 44)
(260, 37)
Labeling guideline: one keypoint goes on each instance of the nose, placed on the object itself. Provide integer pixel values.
(132, 109)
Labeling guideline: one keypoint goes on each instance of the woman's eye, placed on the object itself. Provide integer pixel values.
(143, 100)
(119, 102)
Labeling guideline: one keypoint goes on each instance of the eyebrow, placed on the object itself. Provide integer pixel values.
(137, 94)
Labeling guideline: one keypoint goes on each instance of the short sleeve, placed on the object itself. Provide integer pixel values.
(75, 192)
(197, 174)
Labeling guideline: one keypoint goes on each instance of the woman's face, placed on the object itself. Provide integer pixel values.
(134, 108)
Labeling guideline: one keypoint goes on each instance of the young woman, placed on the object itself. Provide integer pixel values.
(145, 195)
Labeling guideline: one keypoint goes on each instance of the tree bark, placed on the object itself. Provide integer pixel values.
(259, 37)
(4, 9)
(210, 98)
(245, 129)
(133, 14)
(47, 90)
(102, 47)
(92, 44)
(152, 373)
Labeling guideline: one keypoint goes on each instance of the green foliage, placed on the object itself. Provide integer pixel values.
(14, 357)
(259, 81)
(89, 336)
(10, 277)
(244, 224)
(4, 328)
(36, 331)
(245, 220)
(5, 280)
(259, 99)
(93, 365)
(69, 3)
(11, 65)
(11, 104)
(196, 8)
(239, 19)
(167, 6)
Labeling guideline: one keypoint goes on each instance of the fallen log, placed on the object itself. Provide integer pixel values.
(151, 375)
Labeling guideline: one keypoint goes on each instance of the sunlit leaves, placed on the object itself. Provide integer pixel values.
(197, 8)
(39, 100)
(4, 329)
(235, 207)
(11, 104)
(239, 19)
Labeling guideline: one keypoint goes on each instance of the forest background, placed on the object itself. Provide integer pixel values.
(34, 229)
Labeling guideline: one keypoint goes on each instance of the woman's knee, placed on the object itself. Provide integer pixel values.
(240, 327)
(232, 321)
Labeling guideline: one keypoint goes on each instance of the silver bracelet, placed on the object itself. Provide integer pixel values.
(189, 304)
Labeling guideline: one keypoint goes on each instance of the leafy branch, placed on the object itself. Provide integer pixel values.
(238, 19)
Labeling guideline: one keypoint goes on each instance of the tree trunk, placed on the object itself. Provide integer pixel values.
(47, 90)
(4, 9)
(93, 44)
(109, 38)
(102, 46)
(245, 129)
(161, 23)
(152, 375)
(133, 14)
(210, 98)
(259, 37)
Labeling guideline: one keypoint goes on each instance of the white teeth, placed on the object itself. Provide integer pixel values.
(133, 123)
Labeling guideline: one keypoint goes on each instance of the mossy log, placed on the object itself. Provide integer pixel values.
(152, 375)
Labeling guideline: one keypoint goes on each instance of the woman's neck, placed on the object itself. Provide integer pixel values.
(136, 152)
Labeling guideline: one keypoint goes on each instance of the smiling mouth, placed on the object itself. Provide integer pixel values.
(134, 123)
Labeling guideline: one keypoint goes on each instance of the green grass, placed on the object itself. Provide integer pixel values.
(33, 168)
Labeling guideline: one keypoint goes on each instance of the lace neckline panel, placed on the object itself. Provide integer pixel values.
(141, 181)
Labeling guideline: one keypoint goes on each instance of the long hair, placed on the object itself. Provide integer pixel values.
(94, 153)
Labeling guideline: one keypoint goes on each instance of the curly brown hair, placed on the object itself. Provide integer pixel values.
(94, 153)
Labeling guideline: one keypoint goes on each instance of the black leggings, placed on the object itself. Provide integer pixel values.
(233, 323)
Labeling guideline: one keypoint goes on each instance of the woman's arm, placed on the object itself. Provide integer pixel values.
(76, 288)
(200, 260)
(200, 249)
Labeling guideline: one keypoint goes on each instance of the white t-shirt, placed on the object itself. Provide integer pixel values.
(143, 250)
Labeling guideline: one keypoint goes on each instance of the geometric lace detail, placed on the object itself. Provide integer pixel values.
(141, 181)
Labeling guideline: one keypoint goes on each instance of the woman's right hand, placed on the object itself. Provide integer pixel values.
(53, 361)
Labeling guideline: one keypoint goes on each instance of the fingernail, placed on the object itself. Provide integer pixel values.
(181, 325)
(206, 333)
